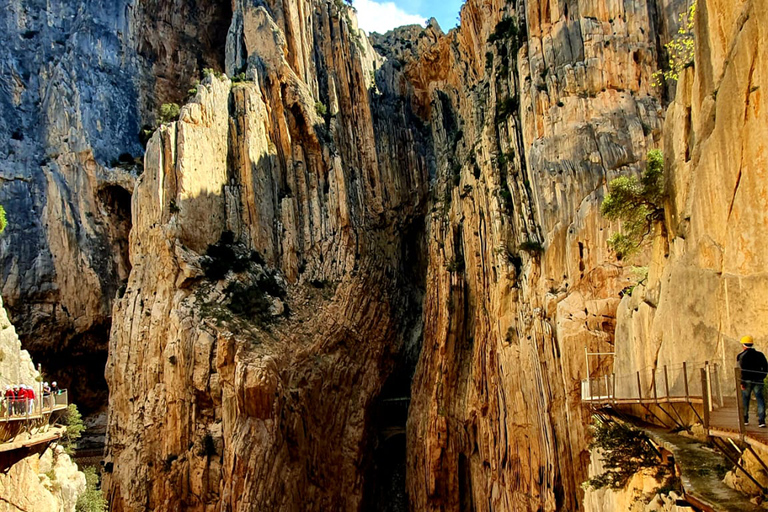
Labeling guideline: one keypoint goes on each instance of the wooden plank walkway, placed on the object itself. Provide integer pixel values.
(53, 434)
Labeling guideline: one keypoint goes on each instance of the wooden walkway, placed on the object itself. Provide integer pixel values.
(42, 408)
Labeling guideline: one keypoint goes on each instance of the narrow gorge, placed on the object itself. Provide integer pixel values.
(361, 272)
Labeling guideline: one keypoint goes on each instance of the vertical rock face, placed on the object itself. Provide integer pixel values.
(707, 275)
(220, 401)
(528, 130)
(303, 242)
(81, 79)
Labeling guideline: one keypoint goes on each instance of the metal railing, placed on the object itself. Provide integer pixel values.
(14, 409)
(685, 382)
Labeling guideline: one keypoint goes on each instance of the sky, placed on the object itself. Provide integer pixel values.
(382, 15)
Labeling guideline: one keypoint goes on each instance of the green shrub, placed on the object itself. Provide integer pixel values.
(169, 112)
(92, 500)
(321, 109)
(624, 451)
(75, 427)
(3, 219)
(637, 203)
(248, 299)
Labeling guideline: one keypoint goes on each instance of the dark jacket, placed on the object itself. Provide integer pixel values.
(753, 366)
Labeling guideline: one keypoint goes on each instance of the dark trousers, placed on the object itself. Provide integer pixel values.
(746, 394)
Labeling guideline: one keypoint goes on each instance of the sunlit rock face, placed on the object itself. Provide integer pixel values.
(414, 216)
(707, 274)
(80, 80)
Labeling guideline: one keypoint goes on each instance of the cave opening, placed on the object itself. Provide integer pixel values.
(385, 489)
(116, 206)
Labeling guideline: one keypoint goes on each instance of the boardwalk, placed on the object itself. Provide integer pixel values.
(18, 410)
(672, 395)
(709, 392)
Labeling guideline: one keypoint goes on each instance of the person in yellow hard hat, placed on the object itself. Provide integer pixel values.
(754, 367)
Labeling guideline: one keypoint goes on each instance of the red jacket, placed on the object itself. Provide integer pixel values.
(9, 393)
(30, 394)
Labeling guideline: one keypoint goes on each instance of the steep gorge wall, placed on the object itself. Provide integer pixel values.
(454, 185)
(215, 409)
(708, 275)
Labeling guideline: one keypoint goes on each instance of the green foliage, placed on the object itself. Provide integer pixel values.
(92, 500)
(169, 112)
(212, 72)
(75, 427)
(637, 203)
(173, 207)
(239, 78)
(3, 219)
(681, 49)
(624, 451)
(321, 109)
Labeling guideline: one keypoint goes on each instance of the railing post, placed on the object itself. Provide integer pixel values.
(655, 392)
(740, 400)
(639, 389)
(589, 377)
(685, 378)
(613, 386)
(607, 387)
(705, 398)
(719, 384)
(666, 382)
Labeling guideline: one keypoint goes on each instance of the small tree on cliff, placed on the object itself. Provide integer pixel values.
(3, 220)
(637, 203)
(680, 50)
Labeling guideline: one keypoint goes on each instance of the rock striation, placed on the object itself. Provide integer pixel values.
(707, 273)
(348, 224)
(444, 198)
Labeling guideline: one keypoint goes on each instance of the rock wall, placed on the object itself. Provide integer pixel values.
(420, 220)
(81, 80)
(454, 184)
(706, 276)
(549, 101)
(47, 482)
(253, 389)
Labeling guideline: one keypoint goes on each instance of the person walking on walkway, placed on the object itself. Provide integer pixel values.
(754, 367)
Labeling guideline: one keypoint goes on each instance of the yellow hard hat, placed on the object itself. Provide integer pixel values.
(747, 340)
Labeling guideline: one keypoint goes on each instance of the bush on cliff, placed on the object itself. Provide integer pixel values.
(75, 426)
(92, 500)
(3, 220)
(624, 452)
(637, 203)
(169, 112)
(681, 50)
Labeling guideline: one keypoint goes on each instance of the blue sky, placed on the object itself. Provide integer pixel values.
(383, 15)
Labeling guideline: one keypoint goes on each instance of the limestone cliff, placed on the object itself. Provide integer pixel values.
(43, 479)
(351, 224)
(442, 199)
(707, 276)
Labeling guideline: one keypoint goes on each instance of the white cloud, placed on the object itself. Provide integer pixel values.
(380, 17)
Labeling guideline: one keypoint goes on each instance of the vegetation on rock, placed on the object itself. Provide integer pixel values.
(75, 427)
(169, 112)
(624, 452)
(92, 500)
(637, 203)
(3, 219)
(680, 50)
